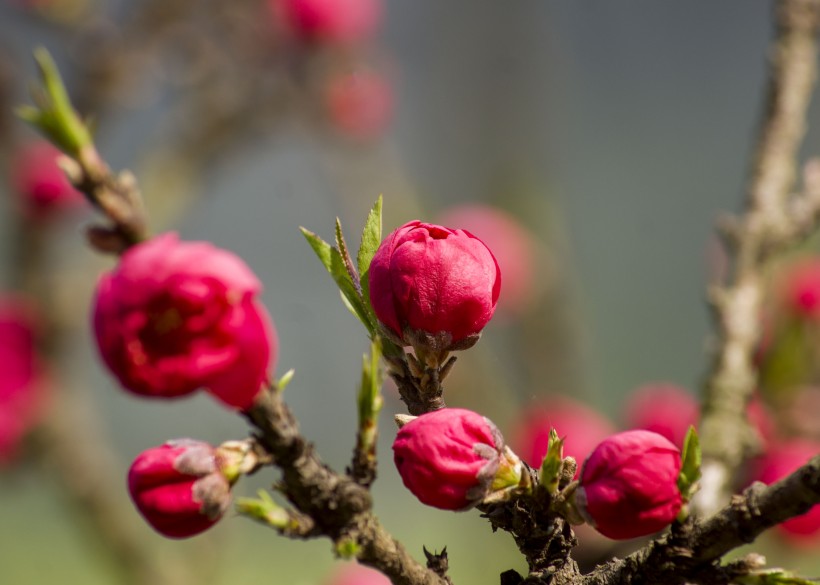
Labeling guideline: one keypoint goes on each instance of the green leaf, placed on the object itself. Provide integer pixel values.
(370, 401)
(321, 247)
(690, 465)
(371, 240)
(344, 254)
(53, 115)
(350, 294)
(286, 378)
(553, 463)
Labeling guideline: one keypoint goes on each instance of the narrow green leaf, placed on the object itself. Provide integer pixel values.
(338, 271)
(344, 254)
(553, 463)
(371, 238)
(322, 249)
(690, 464)
(286, 378)
(56, 119)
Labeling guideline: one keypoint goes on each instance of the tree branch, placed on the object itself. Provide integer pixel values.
(765, 226)
(690, 552)
(340, 508)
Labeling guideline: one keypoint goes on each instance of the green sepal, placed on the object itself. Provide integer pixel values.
(553, 463)
(774, 577)
(53, 115)
(690, 465)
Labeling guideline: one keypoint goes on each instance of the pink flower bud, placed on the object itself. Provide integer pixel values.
(436, 280)
(178, 487)
(355, 574)
(581, 427)
(359, 104)
(628, 486)
(41, 183)
(512, 245)
(175, 316)
(22, 386)
(329, 21)
(453, 458)
(663, 408)
(780, 461)
(801, 289)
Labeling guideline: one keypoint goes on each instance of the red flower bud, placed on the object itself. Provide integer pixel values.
(435, 280)
(581, 427)
(41, 183)
(663, 408)
(177, 316)
(22, 386)
(329, 21)
(512, 245)
(453, 458)
(779, 462)
(355, 574)
(178, 487)
(628, 486)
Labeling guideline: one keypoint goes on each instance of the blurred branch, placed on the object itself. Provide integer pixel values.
(768, 224)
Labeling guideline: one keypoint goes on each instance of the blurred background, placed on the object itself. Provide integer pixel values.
(601, 140)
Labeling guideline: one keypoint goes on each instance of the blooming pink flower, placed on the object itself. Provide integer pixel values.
(178, 487)
(329, 21)
(628, 486)
(41, 183)
(780, 461)
(581, 427)
(453, 458)
(663, 408)
(801, 288)
(434, 279)
(359, 104)
(356, 574)
(177, 316)
(512, 245)
(22, 384)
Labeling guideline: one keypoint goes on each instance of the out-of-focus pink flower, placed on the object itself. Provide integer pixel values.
(359, 104)
(22, 386)
(344, 22)
(356, 574)
(581, 427)
(628, 486)
(453, 458)
(801, 288)
(175, 316)
(781, 460)
(512, 245)
(434, 279)
(42, 185)
(178, 487)
(663, 408)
